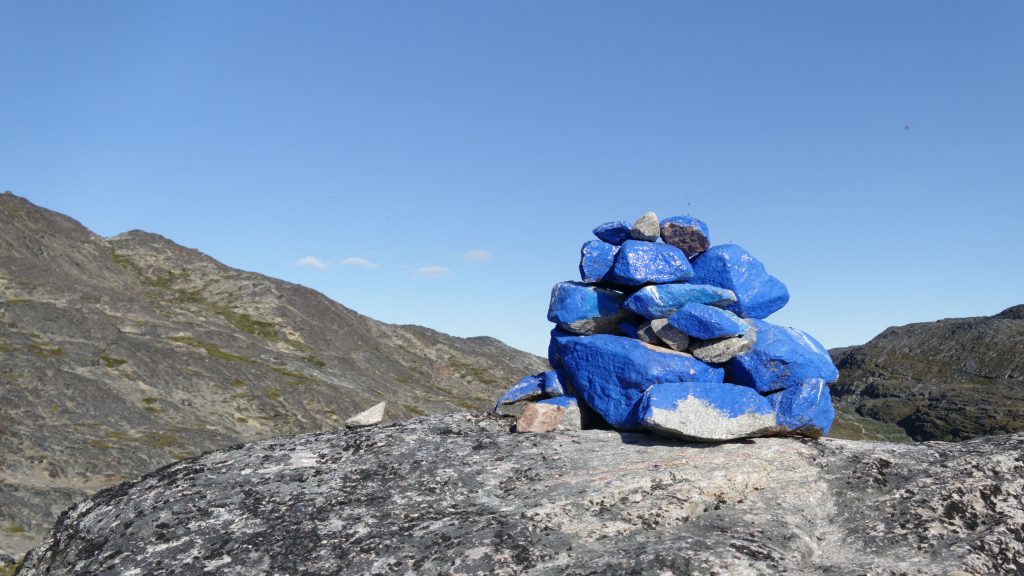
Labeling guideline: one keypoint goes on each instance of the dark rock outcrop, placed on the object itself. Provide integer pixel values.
(120, 355)
(459, 494)
(953, 379)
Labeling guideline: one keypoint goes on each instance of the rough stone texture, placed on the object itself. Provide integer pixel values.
(662, 300)
(704, 411)
(722, 350)
(646, 228)
(686, 233)
(758, 293)
(596, 260)
(459, 494)
(372, 415)
(953, 379)
(647, 333)
(538, 417)
(610, 373)
(707, 322)
(806, 408)
(781, 358)
(670, 335)
(527, 388)
(614, 232)
(120, 355)
(644, 262)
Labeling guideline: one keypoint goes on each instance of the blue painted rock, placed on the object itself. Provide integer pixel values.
(707, 322)
(528, 388)
(646, 228)
(614, 232)
(781, 358)
(553, 386)
(596, 260)
(585, 309)
(662, 300)
(805, 409)
(758, 293)
(629, 329)
(670, 335)
(686, 233)
(610, 373)
(646, 262)
(706, 411)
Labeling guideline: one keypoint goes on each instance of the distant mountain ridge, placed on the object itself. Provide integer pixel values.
(119, 355)
(952, 379)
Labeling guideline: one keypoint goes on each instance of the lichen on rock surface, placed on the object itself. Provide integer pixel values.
(460, 494)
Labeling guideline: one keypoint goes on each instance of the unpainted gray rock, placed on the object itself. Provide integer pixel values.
(372, 415)
(675, 338)
(721, 350)
(646, 228)
(460, 494)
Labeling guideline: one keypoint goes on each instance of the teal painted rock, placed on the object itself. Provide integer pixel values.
(707, 322)
(758, 293)
(706, 411)
(662, 300)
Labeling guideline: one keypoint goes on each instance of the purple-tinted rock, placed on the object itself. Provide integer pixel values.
(646, 262)
(596, 260)
(614, 232)
(686, 233)
(758, 294)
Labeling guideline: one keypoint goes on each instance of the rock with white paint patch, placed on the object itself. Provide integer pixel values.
(781, 358)
(369, 417)
(706, 411)
(610, 373)
(646, 228)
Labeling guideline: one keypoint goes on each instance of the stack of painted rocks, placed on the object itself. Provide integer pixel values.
(669, 336)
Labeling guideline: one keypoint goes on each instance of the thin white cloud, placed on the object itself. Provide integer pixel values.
(477, 256)
(311, 262)
(432, 271)
(357, 261)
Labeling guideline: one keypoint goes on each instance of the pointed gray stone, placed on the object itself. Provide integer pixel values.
(670, 335)
(369, 417)
(646, 228)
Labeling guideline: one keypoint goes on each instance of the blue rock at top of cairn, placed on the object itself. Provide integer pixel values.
(752, 377)
(614, 232)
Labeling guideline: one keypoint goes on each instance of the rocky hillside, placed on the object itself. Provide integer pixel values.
(459, 494)
(119, 355)
(954, 379)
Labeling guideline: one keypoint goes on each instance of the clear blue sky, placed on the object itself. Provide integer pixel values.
(871, 154)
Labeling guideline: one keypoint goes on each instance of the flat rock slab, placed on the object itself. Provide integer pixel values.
(460, 494)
